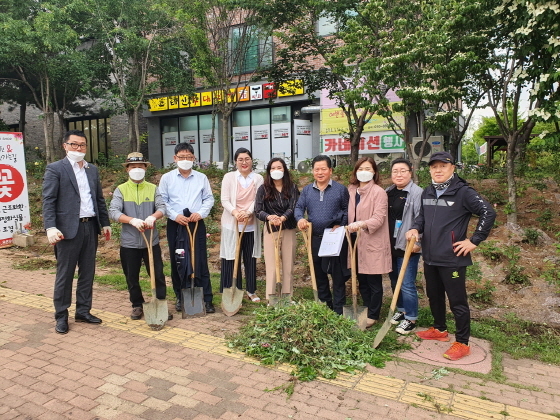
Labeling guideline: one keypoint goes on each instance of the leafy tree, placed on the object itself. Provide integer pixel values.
(40, 51)
(527, 58)
(226, 51)
(144, 51)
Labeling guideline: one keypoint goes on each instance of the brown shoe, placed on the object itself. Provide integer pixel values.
(370, 322)
(137, 312)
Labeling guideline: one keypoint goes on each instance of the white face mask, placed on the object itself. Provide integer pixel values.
(75, 156)
(364, 176)
(277, 174)
(137, 174)
(185, 165)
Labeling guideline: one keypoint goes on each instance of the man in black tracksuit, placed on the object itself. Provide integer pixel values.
(447, 206)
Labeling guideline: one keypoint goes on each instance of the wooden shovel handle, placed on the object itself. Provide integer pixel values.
(191, 238)
(307, 238)
(237, 249)
(353, 265)
(276, 239)
(151, 257)
(407, 254)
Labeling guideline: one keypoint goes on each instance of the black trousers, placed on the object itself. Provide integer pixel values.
(371, 289)
(250, 264)
(131, 261)
(332, 265)
(451, 281)
(200, 257)
(80, 251)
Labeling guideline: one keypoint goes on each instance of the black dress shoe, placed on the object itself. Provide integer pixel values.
(178, 306)
(170, 317)
(89, 318)
(61, 326)
(209, 307)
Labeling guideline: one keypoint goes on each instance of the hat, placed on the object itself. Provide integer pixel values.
(135, 157)
(444, 157)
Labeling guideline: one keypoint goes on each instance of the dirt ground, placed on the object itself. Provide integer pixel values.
(538, 301)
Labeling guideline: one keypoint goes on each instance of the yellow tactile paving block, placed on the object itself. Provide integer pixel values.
(427, 397)
(430, 398)
(470, 407)
(515, 413)
(381, 386)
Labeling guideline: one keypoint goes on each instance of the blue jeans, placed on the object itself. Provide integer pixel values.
(407, 301)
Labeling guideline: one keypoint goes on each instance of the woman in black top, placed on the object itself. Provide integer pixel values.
(275, 203)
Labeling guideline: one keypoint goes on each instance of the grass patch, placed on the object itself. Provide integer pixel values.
(310, 337)
(31, 264)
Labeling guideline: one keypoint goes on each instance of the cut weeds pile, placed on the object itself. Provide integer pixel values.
(310, 337)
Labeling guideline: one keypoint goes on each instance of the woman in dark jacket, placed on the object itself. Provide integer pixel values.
(275, 203)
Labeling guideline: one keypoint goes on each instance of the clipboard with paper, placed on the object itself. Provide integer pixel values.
(331, 244)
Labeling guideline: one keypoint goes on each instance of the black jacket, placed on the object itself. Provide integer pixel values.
(445, 220)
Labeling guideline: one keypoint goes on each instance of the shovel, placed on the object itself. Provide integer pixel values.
(355, 312)
(193, 297)
(387, 324)
(155, 311)
(273, 300)
(307, 235)
(232, 296)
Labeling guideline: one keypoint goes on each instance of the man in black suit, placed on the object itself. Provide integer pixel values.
(74, 214)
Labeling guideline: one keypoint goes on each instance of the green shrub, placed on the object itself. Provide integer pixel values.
(482, 292)
(515, 275)
(531, 236)
(309, 336)
(491, 251)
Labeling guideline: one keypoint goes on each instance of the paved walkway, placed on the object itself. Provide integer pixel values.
(124, 370)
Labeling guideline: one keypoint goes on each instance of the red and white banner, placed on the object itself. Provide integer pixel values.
(14, 200)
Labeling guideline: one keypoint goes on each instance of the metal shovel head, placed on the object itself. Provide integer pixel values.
(359, 314)
(155, 312)
(279, 300)
(384, 329)
(192, 301)
(231, 299)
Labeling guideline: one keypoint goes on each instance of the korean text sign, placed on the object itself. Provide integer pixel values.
(14, 200)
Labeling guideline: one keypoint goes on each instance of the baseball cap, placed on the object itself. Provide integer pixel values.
(441, 157)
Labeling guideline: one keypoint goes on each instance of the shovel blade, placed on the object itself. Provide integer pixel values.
(358, 314)
(384, 329)
(193, 302)
(155, 312)
(231, 300)
(279, 300)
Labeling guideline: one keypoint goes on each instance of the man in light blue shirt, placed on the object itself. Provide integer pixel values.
(188, 199)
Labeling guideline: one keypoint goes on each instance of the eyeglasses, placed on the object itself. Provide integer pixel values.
(400, 172)
(244, 160)
(77, 146)
(191, 158)
(136, 159)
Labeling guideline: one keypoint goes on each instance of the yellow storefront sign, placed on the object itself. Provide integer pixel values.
(333, 121)
(291, 88)
(158, 104)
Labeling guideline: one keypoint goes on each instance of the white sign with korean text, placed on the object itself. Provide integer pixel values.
(14, 200)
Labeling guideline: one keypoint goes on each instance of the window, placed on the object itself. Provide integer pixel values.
(98, 136)
(249, 50)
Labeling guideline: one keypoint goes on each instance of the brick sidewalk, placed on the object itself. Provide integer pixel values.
(123, 370)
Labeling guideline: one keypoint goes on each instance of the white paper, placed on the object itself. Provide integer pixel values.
(331, 243)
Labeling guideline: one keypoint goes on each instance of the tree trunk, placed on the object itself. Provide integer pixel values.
(48, 129)
(355, 145)
(22, 112)
(132, 141)
(61, 130)
(225, 140)
(137, 130)
(511, 208)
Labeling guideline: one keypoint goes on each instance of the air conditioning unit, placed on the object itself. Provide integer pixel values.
(434, 144)
(383, 160)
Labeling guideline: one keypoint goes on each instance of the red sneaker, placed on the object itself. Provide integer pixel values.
(433, 334)
(457, 351)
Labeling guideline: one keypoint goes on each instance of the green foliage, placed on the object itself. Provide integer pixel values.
(491, 251)
(551, 274)
(545, 218)
(309, 336)
(515, 275)
(494, 195)
(519, 338)
(531, 236)
(482, 291)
